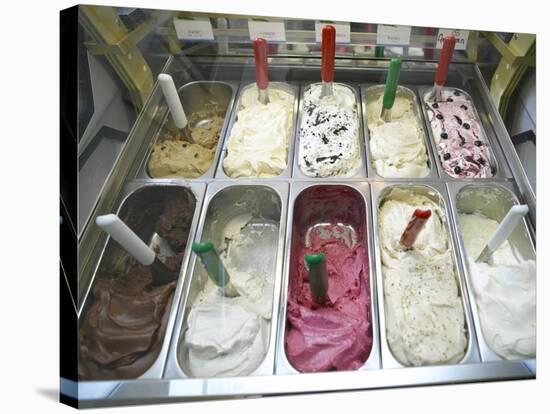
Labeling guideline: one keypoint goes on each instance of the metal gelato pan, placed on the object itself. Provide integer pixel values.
(382, 193)
(291, 88)
(499, 166)
(492, 201)
(149, 209)
(206, 105)
(360, 170)
(233, 336)
(368, 92)
(322, 214)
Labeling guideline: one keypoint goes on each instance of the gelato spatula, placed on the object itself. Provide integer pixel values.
(416, 223)
(390, 89)
(262, 76)
(172, 100)
(144, 254)
(503, 231)
(443, 67)
(318, 276)
(214, 267)
(328, 47)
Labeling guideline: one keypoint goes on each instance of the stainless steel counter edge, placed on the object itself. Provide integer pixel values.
(147, 391)
(471, 354)
(287, 172)
(486, 353)
(173, 367)
(371, 171)
(146, 155)
(361, 172)
(93, 388)
(283, 366)
(502, 169)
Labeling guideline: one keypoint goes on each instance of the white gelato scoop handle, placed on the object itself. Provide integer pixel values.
(503, 231)
(119, 231)
(507, 226)
(172, 99)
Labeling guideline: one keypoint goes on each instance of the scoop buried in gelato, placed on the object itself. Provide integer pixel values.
(415, 225)
(318, 278)
(215, 268)
(259, 140)
(122, 326)
(423, 308)
(504, 288)
(331, 331)
(329, 133)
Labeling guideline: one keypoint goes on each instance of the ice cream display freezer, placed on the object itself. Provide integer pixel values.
(325, 180)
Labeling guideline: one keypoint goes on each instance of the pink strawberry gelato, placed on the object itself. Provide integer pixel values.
(336, 333)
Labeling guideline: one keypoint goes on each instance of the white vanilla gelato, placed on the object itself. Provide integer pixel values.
(229, 336)
(259, 140)
(397, 148)
(505, 291)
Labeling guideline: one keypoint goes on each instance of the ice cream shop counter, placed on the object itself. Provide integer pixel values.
(307, 215)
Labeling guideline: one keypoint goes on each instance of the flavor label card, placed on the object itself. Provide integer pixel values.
(193, 28)
(268, 30)
(392, 35)
(343, 31)
(461, 38)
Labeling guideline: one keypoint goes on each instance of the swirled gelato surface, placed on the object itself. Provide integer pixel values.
(259, 141)
(397, 147)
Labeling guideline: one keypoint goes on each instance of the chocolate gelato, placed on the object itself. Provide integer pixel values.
(123, 324)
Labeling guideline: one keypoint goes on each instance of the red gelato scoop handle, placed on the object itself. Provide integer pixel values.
(260, 58)
(444, 60)
(416, 223)
(327, 49)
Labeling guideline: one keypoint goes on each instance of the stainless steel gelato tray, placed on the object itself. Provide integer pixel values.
(291, 88)
(331, 211)
(358, 167)
(498, 165)
(208, 106)
(491, 201)
(233, 336)
(407, 92)
(418, 325)
(148, 209)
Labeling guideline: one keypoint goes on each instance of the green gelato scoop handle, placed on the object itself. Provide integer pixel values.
(214, 266)
(318, 276)
(391, 83)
